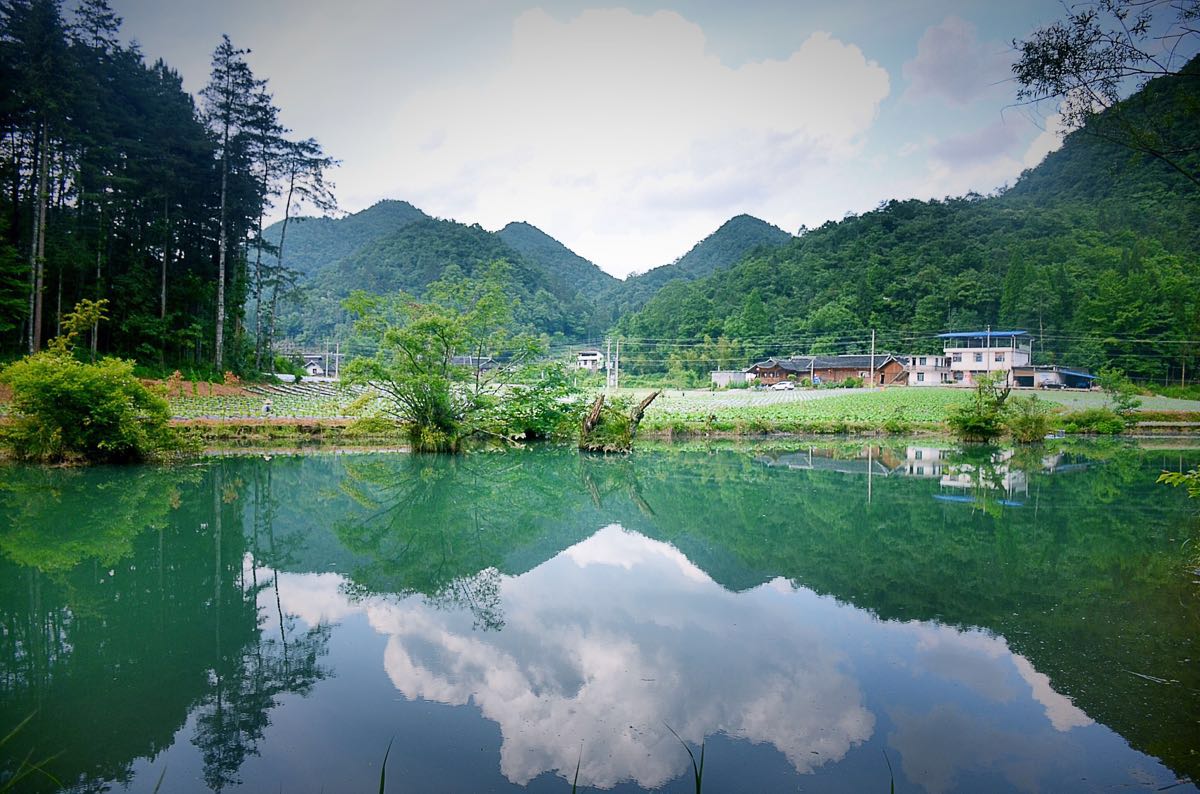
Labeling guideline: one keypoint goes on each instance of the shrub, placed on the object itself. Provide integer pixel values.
(1121, 392)
(1028, 419)
(1095, 420)
(981, 419)
(65, 409)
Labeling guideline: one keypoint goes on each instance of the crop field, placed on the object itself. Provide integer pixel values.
(912, 405)
(289, 400)
(870, 406)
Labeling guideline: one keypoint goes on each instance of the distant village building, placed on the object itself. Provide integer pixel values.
(1052, 376)
(974, 354)
(722, 378)
(591, 360)
(928, 370)
(473, 362)
(883, 369)
(312, 365)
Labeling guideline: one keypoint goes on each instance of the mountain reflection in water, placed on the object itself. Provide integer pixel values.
(260, 624)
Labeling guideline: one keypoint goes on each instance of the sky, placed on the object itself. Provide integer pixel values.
(630, 132)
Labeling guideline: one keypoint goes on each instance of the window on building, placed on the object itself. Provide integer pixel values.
(999, 358)
(920, 470)
(958, 357)
(920, 377)
(918, 454)
(978, 358)
(921, 361)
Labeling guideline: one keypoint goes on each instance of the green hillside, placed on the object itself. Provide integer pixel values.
(411, 256)
(722, 249)
(1096, 252)
(312, 243)
(555, 258)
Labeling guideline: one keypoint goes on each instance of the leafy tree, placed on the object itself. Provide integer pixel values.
(441, 364)
(983, 418)
(1122, 394)
(63, 409)
(1088, 61)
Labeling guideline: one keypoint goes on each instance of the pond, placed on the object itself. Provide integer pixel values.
(824, 618)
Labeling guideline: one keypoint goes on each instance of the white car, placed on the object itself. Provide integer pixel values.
(784, 385)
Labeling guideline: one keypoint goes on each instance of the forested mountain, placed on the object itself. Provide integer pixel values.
(1096, 252)
(412, 255)
(314, 242)
(394, 246)
(555, 258)
(722, 249)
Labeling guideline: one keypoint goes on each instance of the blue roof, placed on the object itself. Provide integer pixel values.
(1078, 374)
(971, 334)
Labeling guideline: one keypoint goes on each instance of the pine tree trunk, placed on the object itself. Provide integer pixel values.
(33, 238)
(99, 285)
(39, 276)
(287, 211)
(220, 348)
(258, 289)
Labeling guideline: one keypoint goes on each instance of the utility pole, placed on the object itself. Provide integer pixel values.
(987, 357)
(617, 370)
(337, 359)
(872, 363)
(608, 364)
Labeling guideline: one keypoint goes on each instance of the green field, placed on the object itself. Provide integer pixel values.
(915, 405)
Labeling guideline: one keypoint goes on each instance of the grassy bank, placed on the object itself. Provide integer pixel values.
(283, 432)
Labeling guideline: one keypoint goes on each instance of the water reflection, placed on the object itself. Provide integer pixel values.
(810, 606)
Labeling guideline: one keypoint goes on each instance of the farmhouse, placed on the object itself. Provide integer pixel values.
(882, 369)
(974, 354)
(591, 360)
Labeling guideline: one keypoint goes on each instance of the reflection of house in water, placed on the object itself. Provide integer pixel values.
(876, 461)
(924, 461)
(998, 474)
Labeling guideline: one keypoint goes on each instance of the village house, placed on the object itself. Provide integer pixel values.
(928, 370)
(313, 366)
(974, 354)
(882, 369)
(591, 360)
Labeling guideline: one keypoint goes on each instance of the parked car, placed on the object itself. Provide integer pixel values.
(784, 385)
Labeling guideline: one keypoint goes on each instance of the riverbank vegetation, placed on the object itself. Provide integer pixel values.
(456, 365)
(64, 409)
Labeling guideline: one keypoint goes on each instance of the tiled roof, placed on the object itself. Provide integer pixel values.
(807, 363)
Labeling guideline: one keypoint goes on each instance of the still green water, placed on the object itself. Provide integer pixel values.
(983, 622)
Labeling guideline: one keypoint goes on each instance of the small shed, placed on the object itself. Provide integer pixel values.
(722, 378)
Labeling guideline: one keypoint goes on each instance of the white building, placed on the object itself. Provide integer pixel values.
(722, 378)
(974, 354)
(928, 370)
(591, 360)
(925, 461)
(312, 365)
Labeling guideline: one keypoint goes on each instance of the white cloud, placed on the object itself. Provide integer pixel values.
(1049, 140)
(952, 64)
(582, 659)
(622, 134)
